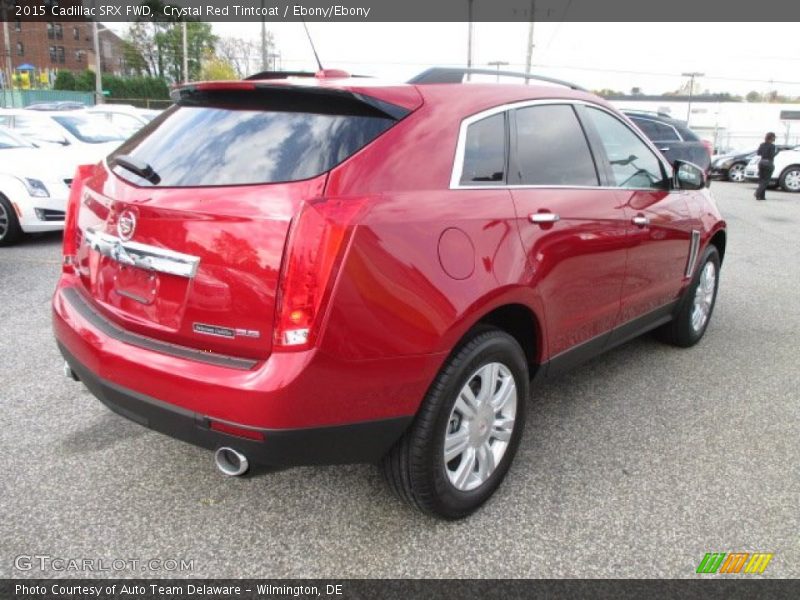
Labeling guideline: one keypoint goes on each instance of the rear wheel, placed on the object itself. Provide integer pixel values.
(462, 442)
(10, 231)
(736, 173)
(790, 179)
(694, 313)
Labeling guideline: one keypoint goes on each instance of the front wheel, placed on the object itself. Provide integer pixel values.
(694, 312)
(790, 179)
(10, 231)
(736, 173)
(466, 433)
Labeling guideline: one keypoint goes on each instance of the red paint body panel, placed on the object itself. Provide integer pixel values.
(407, 288)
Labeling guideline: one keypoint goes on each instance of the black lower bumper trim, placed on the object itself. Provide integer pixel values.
(364, 442)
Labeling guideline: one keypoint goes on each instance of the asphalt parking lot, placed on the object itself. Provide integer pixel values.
(634, 465)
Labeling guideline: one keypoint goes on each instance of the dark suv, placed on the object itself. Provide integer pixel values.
(673, 138)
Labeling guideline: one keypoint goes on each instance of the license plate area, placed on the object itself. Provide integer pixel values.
(136, 284)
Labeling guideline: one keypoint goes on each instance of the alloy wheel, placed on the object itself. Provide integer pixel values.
(736, 173)
(480, 426)
(791, 181)
(704, 297)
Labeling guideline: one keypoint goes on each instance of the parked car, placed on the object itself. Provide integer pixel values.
(128, 119)
(731, 166)
(34, 186)
(673, 138)
(339, 271)
(57, 106)
(90, 137)
(786, 173)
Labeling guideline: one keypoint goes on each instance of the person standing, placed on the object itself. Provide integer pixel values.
(766, 165)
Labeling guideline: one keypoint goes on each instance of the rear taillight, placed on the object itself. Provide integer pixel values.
(708, 146)
(316, 246)
(70, 244)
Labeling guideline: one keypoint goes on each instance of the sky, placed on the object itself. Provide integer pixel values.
(735, 57)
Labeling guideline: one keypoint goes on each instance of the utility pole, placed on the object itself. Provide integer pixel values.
(9, 78)
(469, 36)
(529, 50)
(185, 53)
(264, 53)
(98, 69)
(498, 64)
(691, 77)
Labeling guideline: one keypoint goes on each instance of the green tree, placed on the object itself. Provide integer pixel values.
(753, 96)
(217, 69)
(65, 80)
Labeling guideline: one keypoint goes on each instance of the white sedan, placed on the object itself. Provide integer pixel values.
(34, 187)
(90, 138)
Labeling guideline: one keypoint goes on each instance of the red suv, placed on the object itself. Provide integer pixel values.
(330, 270)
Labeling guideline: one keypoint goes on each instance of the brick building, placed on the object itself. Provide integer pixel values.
(52, 46)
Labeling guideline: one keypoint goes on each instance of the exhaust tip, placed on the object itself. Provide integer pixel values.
(69, 373)
(231, 462)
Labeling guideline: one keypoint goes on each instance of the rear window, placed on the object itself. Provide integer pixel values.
(658, 132)
(207, 145)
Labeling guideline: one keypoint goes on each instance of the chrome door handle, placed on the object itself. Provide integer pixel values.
(641, 221)
(664, 149)
(544, 217)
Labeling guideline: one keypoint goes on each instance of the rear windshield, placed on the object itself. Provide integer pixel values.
(205, 145)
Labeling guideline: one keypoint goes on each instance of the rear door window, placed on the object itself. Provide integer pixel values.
(658, 132)
(485, 152)
(550, 148)
(226, 145)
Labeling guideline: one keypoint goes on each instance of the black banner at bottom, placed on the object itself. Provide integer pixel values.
(369, 589)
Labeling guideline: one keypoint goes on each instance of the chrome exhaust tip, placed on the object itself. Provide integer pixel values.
(231, 462)
(69, 373)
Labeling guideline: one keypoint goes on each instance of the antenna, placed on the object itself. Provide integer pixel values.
(313, 49)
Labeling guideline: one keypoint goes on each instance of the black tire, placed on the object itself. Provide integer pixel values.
(790, 179)
(415, 467)
(10, 231)
(681, 331)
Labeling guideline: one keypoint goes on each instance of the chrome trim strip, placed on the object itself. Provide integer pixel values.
(143, 256)
(694, 247)
(458, 161)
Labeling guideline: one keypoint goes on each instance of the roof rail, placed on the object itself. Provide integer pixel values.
(456, 75)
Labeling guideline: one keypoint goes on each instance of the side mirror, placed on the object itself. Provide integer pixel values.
(688, 176)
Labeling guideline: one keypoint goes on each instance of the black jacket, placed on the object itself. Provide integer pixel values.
(767, 151)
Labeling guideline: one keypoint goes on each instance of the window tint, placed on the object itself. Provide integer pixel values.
(633, 165)
(485, 152)
(658, 132)
(206, 145)
(551, 148)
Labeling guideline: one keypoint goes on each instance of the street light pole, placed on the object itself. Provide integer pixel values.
(529, 51)
(185, 53)
(469, 36)
(98, 69)
(264, 55)
(9, 83)
(691, 77)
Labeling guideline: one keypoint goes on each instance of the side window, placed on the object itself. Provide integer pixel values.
(633, 164)
(485, 152)
(551, 148)
(658, 132)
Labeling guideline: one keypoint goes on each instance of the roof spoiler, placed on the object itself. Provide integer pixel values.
(457, 74)
(321, 74)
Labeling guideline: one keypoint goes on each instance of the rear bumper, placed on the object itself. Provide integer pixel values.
(354, 443)
(311, 407)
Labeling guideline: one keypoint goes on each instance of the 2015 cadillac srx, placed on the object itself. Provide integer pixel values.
(324, 270)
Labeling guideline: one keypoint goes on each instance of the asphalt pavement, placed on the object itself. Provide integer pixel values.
(634, 465)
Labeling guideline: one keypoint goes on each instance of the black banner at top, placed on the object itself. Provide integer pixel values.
(402, 10)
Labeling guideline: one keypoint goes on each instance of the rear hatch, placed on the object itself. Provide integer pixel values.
(183, 227)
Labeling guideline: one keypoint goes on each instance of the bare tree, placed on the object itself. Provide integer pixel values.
(243, 54)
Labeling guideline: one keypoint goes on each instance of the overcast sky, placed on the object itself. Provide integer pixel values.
(736, 57)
